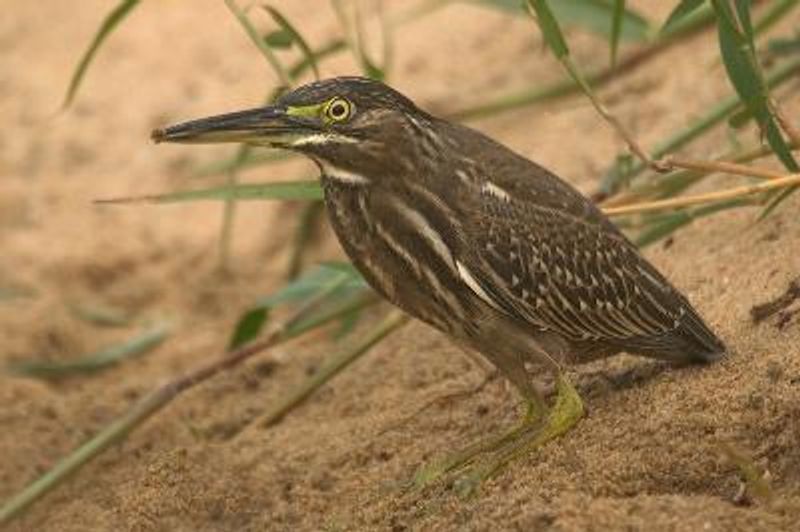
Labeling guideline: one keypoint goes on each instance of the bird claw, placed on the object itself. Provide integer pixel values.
(535, 431)
(428, 474)
(469, 484)
(465, 485)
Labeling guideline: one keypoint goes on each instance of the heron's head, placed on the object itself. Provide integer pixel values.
(353, 124)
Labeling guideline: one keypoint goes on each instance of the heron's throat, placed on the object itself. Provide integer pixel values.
(340, 175)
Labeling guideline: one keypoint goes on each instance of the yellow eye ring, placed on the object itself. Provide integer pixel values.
(338, 110)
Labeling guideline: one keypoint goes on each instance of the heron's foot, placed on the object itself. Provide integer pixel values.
(485, 459)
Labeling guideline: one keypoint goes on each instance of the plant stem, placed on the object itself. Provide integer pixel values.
(736, 192)
(330, 369)
(717, 114)
(568, 87)
(155, 401)
(710, 167)
(675, 182)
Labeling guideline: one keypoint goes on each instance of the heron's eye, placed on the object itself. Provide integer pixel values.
(338, 110)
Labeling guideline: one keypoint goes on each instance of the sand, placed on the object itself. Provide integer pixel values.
(649, 454)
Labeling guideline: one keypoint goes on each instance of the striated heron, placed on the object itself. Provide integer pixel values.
(477, 241)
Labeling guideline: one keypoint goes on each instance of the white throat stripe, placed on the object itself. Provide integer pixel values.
(321, 138)
(340, 174)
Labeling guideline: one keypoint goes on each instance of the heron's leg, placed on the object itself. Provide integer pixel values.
(539, 425)
(563, 415)
(513, 368)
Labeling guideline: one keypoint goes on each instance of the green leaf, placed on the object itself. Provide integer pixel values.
(287, 27)
(137, 345)
(549, 27)
(325, 282)
(679, 14)
(314, 282)
(738, 54)
(279, 38)
(111, 21)
(596, 16)
(249, 326)
(286, 190)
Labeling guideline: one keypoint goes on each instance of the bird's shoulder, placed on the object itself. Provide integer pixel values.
(483, 171)
(543, 252)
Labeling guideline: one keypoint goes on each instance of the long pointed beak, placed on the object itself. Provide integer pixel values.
(269, 126)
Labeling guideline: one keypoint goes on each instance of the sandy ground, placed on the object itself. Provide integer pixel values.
(647, 456)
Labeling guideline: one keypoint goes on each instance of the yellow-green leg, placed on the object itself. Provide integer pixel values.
(488, 457)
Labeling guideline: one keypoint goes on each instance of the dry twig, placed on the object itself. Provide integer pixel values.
(733, 193)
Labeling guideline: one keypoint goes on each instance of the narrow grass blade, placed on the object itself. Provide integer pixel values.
(279, 38)
(617, 176)
(599, 17)
(662, 229)
(596, 16)
(307, 227)
(775, 201)
(550, 28)
(332, 367)
(148, 406)
(699, 21)
(679, 14)
(354, 33)
(260, 43)
(766, 186)
(112, 20)
(333, 47)
(617, 22)
(10, 293)
(737, 47)
(337, 311)
(322, 285)
(102, 359)
(296, 37)
(249, 158)
(666, 225)
(285, 190)
(100, 314)
(780, 46)
(237, 162)
(226, 226)
(777, 10)
(555, 40)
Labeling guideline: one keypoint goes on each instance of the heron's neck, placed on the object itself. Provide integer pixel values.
(340, 175)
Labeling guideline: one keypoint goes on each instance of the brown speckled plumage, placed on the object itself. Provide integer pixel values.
(544, 258)
(474, 239)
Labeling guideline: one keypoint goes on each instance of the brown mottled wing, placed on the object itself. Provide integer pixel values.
(545, 254)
